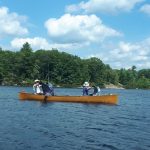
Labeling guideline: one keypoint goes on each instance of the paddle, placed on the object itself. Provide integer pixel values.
(45, 99)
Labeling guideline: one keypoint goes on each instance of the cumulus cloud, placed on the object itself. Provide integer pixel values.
(125, 55)
(78, 29)
(41, 43)
(106, 6)
(36, 43)
(10, 23)
(145, 9)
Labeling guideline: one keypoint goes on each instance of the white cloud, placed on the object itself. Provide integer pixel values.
(36, 43)
(106, 6)
(145, 9)
(78, 29)
(127, 47)
(10, 23)
(125, 55)
(41, 43)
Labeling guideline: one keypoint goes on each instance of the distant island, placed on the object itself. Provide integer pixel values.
(22, 67)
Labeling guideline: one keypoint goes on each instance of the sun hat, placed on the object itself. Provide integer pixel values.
(36, 80)
(86, 84)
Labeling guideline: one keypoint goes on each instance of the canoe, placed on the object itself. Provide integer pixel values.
(106, 99)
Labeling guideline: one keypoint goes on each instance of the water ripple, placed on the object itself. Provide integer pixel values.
(68, 126)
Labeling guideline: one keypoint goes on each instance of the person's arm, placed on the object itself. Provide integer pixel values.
(34, 88)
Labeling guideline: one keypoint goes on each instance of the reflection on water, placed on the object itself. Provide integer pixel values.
(33, 125)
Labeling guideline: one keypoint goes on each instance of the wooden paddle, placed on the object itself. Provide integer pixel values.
(45, 99)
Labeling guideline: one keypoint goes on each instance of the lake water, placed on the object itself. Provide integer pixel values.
(32, 125)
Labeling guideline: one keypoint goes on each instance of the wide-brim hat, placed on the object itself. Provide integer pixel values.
(86, 84)
(36, 80)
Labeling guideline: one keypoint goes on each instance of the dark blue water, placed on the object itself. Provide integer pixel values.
(31, 125)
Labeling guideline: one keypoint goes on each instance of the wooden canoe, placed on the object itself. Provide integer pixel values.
(106, 99)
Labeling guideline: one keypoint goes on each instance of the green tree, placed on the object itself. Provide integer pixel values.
(145, 73)
(26, 48)
(143, 83)
(64, 69)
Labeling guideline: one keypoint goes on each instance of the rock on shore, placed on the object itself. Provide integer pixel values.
(112, 86)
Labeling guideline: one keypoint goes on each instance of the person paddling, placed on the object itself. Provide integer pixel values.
(47, 91)
(37, 87)
(51, 88)
(96, 90)
(86, 87)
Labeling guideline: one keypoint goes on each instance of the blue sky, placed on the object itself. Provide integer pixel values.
(117, 32)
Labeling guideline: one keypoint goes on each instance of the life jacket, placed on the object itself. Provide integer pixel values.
(45, 88)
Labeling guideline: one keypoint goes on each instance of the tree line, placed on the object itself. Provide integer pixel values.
(63, 69)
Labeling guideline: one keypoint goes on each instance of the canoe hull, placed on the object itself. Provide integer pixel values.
(107, 99)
